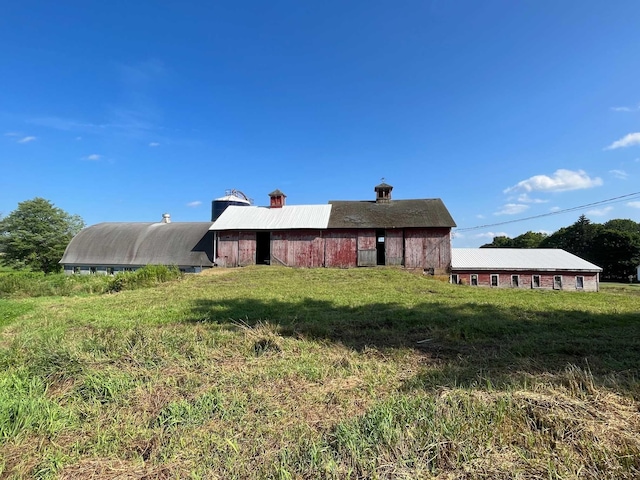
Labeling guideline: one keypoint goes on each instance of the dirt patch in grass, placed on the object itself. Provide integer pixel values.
(113, 469)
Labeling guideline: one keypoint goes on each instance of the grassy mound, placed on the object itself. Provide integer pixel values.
(268, 372)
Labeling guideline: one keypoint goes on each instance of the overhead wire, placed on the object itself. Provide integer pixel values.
(621, 198)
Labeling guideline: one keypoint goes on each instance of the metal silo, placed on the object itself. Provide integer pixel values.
(231, 197)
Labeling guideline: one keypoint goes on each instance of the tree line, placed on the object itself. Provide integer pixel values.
(613, 245)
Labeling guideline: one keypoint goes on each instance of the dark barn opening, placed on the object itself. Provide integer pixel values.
(263, 248)
(380, 247)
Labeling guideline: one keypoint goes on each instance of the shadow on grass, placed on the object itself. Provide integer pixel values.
(468, 341)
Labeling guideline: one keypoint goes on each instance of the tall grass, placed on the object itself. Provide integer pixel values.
(293, 373)
(37, 284)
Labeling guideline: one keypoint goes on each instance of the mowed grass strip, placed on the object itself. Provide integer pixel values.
(292, 373)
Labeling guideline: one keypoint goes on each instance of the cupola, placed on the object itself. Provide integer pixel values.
(277, 199)
(383, 192)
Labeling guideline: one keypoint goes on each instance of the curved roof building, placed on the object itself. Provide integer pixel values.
(124, 245)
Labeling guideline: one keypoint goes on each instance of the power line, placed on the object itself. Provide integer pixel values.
(621, 198)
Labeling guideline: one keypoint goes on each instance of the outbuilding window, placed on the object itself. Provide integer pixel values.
(494, 279)
(557, 282)
(76, 269)
(579, 282)
(92, 270)
(535, 281)
(454, 279)
(474, 280)
(515, 281)
(109, 270)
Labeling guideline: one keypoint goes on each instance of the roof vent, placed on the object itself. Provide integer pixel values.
(277, 199)
(383, 192)
(166, 218)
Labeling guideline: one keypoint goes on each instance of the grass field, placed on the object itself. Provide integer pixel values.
(267, 372)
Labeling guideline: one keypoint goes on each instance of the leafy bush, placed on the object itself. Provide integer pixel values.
(147, 276)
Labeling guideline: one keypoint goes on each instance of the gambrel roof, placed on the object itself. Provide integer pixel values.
(136, 244)
(539, 259)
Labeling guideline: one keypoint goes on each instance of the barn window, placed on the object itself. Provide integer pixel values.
(76, 269)
(454, 279)
(515, 281)
(474, 280)
(92, 270)
(579, 282)
(494, 280)
(557, 282)
(535, 281)
(109, 270)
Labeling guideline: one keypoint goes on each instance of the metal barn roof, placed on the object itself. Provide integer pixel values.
(124, 243)
(545, 259)
(284, 218)
(429, 212)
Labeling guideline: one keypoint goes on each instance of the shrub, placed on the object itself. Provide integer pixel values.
(147, 276)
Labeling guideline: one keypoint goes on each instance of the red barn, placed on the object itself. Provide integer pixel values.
(411, 233)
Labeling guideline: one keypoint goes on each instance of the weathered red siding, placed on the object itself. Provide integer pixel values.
(367, 255)
(246, 248)
(414, 248)
(569, 280)
(228, 249)
(341, 248)
(394, 247)
(297, 248)
(427, 248)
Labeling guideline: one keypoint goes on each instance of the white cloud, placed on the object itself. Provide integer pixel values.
(626, 109)
(555, 209)
(26, 139)
(93, 157)
(633, 204)
(480, 216)
(561, 181)
(599, 212)
(525, 198)
(621, 174)
(196, 203)
(154, 144)
(490, 235)
(626, 141)
(512, 209)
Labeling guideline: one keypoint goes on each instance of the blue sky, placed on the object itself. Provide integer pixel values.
(121, 111)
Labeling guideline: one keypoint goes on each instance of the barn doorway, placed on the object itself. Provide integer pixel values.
(380, 255)
(263, 248)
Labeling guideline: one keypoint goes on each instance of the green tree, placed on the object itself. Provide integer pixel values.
(577, 238)
(36, 234)
(501, 241)
(618, 253)
(526, 240)
(529, 240)
(622, 225)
